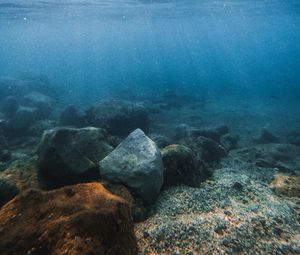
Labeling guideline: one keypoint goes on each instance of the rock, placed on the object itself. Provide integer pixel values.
(207, 149)
(72, 116)
(42, 103)
(160, 140)
(81, 219)
(229, 142)
(266, 137)
(68, 155)
(23, 119)
(212, 133)
(136, 163)
(286, 185)
(8, 191)
(119, 117)
(10, 106)
(182, 167)
(182, 131)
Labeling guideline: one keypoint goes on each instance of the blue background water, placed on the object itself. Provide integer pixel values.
(242, 48)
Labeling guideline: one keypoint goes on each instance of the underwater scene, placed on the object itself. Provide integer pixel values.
(149, 127)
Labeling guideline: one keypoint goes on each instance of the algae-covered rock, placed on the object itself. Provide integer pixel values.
(81, 219)
(67, 155)
(182, 167)
(136, 163)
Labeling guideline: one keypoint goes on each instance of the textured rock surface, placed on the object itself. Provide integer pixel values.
(8, 190)
(182, 167)
(136, 163)
(68, 155)
(119, 117)
(77, 220)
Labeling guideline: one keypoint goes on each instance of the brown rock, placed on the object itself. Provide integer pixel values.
(81, 219)
(286, 185)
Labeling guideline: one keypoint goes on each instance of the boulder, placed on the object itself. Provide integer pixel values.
(72, 116)
(136, 163)
(42, 103)
(23, 119)
(229, 142)
(282, 157)
(119, 117)
(79, 220)
(182, 167)
(8, 190)
(207, 149)
(266, 137)
(68, 155)
(214, 133)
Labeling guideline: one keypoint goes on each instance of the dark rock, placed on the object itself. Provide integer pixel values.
(81, 219)
(68, 155)
(160, 140)
(229, 142)
(72, 116)
(10, 106)
(182, 166)
(119, 117)
(267, 137)
(212, 133)
(8, 191)
(136, 163)
(23, 119)
(207, 149)
(42, 103)
(182, 131)
(283, 157)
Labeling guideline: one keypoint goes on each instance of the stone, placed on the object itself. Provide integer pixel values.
(182, 167)
(23, 119)
(72, 116)
(282, 157)
(69, 155)
(136, 163)
(82, 219)
(266, 137)
(42, 103)
(8, 190)
(229, 142)
(119, 117)
(214, 133)
(207, 149)
(286, 185)
(10, 106)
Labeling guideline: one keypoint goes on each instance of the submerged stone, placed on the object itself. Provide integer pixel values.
(119, 117)
(182, 166)
(136, 163)
(80, 220)
(67, 155)
(8, 190)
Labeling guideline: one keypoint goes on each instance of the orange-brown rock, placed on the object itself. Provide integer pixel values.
(80, 219)
(286, 185)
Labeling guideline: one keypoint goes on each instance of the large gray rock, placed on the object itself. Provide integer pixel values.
(136, 163)
(70, 155)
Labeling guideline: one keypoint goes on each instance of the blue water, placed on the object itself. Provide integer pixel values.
(91, 48)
